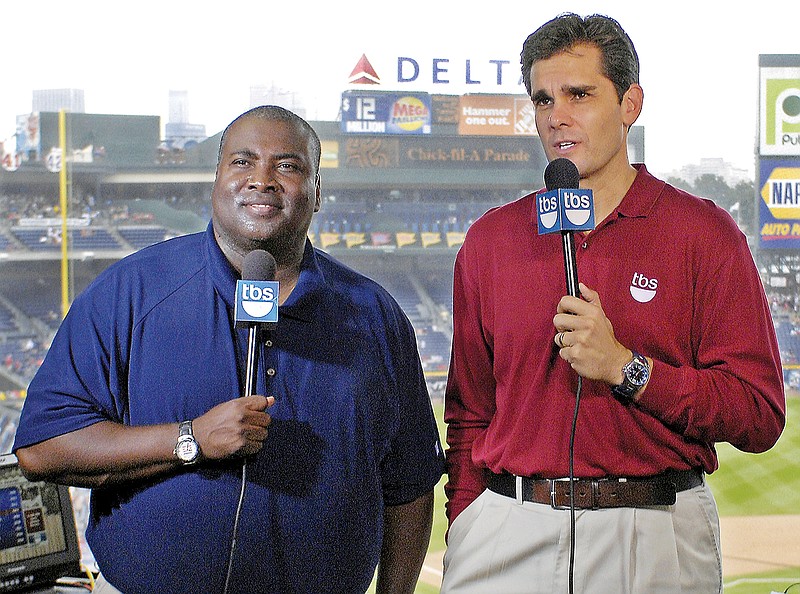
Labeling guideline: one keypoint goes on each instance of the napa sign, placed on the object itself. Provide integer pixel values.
(779, 207)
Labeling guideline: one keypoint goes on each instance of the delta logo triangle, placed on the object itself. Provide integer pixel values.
(364, 73)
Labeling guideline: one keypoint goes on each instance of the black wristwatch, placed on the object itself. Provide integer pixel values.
(187, 449)
(635, 374)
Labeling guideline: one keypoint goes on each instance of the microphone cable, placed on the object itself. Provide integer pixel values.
(250, 378)
(251, 371)
(572, 485)
(236, 518)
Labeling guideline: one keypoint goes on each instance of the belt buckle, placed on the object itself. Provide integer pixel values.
(553, 503)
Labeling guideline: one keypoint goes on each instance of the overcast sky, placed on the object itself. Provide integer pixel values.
(699, 59)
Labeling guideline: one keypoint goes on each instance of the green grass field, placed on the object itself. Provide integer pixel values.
(744, 485)
(761, 484)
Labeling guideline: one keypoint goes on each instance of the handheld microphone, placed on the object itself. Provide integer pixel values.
(565, 208)
(256, 305)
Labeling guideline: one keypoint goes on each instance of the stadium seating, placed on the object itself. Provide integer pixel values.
(788, 341)
(8, 427)
(142, 236)
(5, 242)
(7, 323)
(49, 238)
(37, 300)
(425, 297)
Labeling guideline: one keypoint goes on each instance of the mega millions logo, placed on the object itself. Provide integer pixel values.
(781, 193)
(409, 114)
(780, 114)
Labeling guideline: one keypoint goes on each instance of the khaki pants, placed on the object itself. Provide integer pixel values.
(497, 545)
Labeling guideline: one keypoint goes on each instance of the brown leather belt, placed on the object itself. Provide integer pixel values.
(598, 493)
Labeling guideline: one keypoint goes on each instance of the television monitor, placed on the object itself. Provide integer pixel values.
(38, 540)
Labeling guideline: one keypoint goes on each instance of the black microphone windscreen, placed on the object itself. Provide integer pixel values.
(258, 265)
(561, 174)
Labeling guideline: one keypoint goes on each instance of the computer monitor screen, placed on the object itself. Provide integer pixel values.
(38, 542)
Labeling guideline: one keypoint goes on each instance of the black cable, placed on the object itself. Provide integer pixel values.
(251, 372)
(572, 486)
(236, 526)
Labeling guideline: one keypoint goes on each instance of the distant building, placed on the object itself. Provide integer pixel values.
(71, 100)
(273, 95)
(713, 166)
(178, 107)
(179, 134)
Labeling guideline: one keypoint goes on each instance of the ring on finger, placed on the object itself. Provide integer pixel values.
(560, 340)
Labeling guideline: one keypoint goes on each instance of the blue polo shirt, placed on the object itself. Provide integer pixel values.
(152, 340)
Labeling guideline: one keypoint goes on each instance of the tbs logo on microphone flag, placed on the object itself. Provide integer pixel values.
(565, 210)
(256, 301)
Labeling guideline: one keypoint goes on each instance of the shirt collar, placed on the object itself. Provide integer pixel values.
(639, 200)
(223, 274)
(641, 197)
(304, 300)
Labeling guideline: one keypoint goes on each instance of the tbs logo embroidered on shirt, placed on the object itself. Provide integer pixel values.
(256, 301)
(643, 289)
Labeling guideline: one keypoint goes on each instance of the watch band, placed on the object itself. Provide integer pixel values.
(185, 428)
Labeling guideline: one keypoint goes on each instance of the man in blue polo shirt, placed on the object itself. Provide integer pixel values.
(340, 443)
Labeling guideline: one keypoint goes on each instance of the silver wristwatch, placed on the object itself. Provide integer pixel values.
(187, 449)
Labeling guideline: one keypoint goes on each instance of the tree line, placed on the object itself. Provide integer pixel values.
(739, 200)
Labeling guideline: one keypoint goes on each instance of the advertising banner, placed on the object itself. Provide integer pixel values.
(28, 136)
(779, 105)
(496, 115)
(779, 204)
(376, 112)
(442, 152)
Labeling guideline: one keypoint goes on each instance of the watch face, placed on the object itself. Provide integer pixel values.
(186, 450)
(637, 372)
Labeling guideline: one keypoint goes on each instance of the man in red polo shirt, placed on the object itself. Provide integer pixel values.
(670, 347)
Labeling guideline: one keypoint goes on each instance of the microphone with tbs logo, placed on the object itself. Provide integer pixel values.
(256, 305)
(565, 208)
